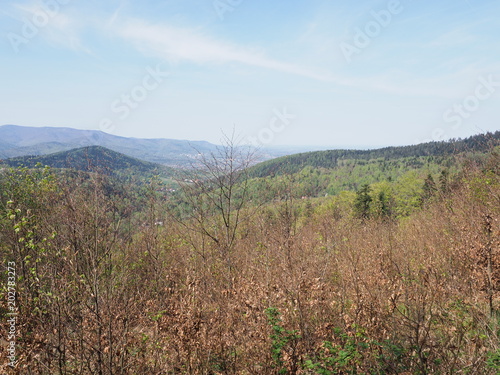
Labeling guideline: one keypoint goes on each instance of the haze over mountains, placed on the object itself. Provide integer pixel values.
(28, 145)
(320, 172)
(18, 141)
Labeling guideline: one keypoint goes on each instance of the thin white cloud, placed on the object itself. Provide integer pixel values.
(55, 26)
(179, 44)
(64, 31)
(176, 44)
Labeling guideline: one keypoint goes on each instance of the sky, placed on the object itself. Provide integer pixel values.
(330, 73)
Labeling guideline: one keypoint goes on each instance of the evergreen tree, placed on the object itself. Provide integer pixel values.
(430, 188)
(443, 180)
(384, 205)
(362, 202)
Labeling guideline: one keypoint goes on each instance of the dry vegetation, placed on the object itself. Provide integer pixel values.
(320, 292)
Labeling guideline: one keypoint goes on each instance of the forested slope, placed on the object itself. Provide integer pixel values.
(333, 158)
(91, 158)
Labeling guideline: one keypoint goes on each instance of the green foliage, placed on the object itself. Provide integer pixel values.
(362, 202)
(347, 352)
(482, 185)
(429, 189)
(397, 186)
(401, 178)
(383, 204)
(26, 198)
(408, 193)
(281, 339)
(444, 180)
(493, 361)
(342, 358)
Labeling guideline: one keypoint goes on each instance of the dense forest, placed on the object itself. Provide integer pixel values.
(382, 262)
(333, 158)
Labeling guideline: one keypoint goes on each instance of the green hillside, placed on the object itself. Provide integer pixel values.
(415, 154)
(91, 159)
(316, 174)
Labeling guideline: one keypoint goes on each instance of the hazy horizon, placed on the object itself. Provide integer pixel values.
(276, 147)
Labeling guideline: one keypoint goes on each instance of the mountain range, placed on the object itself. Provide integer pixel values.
(16, 141)
(84, 149)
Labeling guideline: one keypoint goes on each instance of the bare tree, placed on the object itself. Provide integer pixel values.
(216, 192)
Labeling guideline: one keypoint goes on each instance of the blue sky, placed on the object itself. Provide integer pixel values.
(309, 72)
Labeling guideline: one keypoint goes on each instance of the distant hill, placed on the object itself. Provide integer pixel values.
(331, 159)
(21, 141)
(91, 158)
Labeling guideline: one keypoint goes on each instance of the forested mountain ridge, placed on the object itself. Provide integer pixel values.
(91, 158)
(333, 158)
(395, 172)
